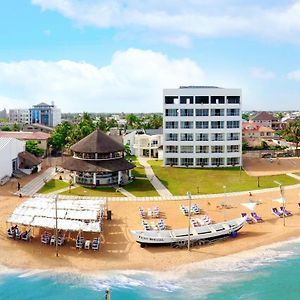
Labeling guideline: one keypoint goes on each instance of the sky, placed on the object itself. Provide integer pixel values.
(118, 55)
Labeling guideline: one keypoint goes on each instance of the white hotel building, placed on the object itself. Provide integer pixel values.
(202, 127)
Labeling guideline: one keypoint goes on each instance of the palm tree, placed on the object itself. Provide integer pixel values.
(292, 134)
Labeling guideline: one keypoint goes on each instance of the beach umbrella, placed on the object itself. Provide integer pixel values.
(280, 200)
(249, 205)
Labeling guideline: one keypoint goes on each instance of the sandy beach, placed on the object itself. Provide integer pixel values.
(120, 251)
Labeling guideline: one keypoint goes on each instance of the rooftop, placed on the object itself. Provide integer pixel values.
(199, 87)
(24, 135)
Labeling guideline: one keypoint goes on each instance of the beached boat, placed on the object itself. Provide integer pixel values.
(199, 235)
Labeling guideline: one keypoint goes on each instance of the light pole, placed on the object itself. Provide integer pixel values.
(56, 231)
(225, 204)
(189, 221)
(283, 199)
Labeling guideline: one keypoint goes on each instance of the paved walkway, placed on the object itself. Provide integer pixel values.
(160, 188)
(37, 183)
(125, 193)
(293, 176)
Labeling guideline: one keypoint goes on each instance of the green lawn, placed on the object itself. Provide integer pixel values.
(211, 181)
(52, 186)
(93, 192)
(139, 170)
(141, 188)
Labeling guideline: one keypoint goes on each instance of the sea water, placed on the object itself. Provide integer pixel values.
(265, 273)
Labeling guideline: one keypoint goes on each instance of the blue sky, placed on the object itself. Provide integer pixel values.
(117, 55)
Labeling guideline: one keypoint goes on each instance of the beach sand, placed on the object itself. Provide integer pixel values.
(120, 251)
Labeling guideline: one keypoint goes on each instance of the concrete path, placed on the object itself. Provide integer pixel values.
(37, 183)
(293, 176)
(160, 188)
(125, 193)
(66, 189)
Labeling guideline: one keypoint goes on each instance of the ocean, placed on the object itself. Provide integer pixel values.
(271, 272)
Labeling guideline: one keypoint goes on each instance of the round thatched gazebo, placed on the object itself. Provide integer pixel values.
(98, 160)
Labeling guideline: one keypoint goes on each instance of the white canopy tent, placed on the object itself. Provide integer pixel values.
(72, 215)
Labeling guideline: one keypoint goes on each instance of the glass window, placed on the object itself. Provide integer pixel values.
(202, 124)
(233, 99)
(186, 124)
(186, 112)
(171, 112)
(234, 136)
(186, 137)
(170, 99)
(186, 99)
(233, 112)
(187, 161)
(202, 161)
(170, 161)
(233, 161)
(217, 100)
(202, 100)
(202, 137)
(171, 137)
(202, 149)
(217, 124)
(217, 112)
(202, 112)
(171, 124)
(233, 124)
(233, 148)
(171, 149)
(217, 161)
(217, 149)
(186, 149)
(217, 137)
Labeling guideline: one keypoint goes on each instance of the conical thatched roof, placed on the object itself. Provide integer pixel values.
(97, 142)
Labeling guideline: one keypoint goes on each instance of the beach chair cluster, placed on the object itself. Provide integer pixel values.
(281, 212)
(205, 220)
(160, 225)
(15, 233)
(150, 213)
(81, 243)
(252, 218)
(195, 209)
(50, 239)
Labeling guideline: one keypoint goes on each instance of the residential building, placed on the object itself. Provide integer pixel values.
(3, 114)
(145, 142)
(253, 130)
(265, 119)
(202, 127)
(19, 116)
(45, 114)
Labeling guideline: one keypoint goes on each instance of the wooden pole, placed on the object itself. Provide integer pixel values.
(189, 220)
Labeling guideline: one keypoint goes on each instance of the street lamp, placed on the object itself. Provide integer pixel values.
(56, 230)
(225, 198)
(189, 221)
(282, 197)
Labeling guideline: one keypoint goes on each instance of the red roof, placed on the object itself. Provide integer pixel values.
(23, 135)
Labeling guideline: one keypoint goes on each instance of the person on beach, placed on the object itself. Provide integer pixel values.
(19, 186)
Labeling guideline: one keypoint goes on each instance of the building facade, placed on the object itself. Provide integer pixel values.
(202, 127)
(45, 114)
(19, 116)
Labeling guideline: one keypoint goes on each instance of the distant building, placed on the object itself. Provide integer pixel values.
(19, 116)
(265, 119)
(255, 131)
(145, 142)
(3, 114)
(202, 127)
(45, 114)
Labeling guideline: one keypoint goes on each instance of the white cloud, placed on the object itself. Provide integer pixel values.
(260, 73)
(277, 20)
(133, 81)
(295, 75)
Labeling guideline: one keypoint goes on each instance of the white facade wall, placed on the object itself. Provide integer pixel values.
(209, 159)
(19, 116)
(9, 150)
(56, 116)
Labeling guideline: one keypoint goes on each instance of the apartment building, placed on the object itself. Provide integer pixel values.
(19, 116)
(202, 127)
(45, 114)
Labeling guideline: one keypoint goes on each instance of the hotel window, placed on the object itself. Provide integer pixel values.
(233, 161)
(202, 124)
(186, 149)
(171, 124)
(202, 100)
(233, 148)
(171, 149)
(233, 124)
(217, 149)
(202, 112)
(171, 137)
(217, 124)
(186, 124)
(171, 161)
(217, 137)
(202, 161)
(202, 137)
(186, 99)
(171, 112)
(217, 100)
(233, 112)
(217, 112)
(217, 161)
(186, 112)
(233, 99)
(184, 137)
(187, 161)
(202, 149)
(233, 136)
(170, 99)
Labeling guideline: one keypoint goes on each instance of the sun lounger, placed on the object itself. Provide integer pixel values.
(256, 217)
(96, 244)
(248, 219)
(79, 242)
(11, 233)
(285, 212)
(276, 212)
(25, 236)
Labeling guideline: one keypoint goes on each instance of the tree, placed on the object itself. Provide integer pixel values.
(245, 117)
(33, 148)
(6, 128)
(133, 121)
(16, 127)
(59, 136)
(153, 122)
(292, 134)
(127, 150)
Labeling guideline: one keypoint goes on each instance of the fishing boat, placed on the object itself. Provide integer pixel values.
(199, 235)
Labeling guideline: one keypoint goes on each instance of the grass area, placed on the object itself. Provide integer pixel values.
(139, 170)
(211, 181)
(93, 192)
(52, 186)
(141, 188)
